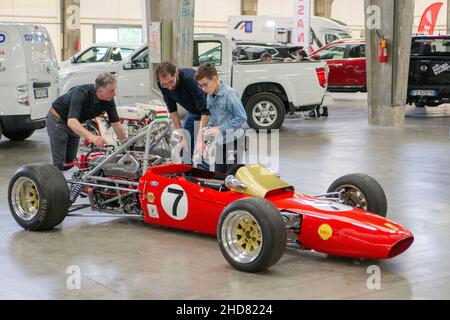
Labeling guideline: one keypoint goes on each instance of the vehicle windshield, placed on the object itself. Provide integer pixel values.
(430, 47)
(207, 51)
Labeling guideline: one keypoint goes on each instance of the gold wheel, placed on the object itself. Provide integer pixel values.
(242, 236)
(25, 198)
(248, 234)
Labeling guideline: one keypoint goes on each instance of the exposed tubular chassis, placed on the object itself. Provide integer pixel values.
(90, 179)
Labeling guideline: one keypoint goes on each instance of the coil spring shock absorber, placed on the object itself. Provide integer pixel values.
(75, 192)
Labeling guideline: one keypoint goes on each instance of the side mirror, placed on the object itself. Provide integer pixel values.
(127, 65)
(72, 59)
(315, 57)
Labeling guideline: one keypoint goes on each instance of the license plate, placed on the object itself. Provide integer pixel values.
(41, 93)
(427, 93)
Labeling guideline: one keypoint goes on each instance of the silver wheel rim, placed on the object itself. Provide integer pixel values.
(353, 197)
(265, 114)
(241, 236)
(25, 198)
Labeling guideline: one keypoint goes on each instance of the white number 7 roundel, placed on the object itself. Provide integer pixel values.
(174, 202)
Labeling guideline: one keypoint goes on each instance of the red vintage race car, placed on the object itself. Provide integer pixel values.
(254, 213)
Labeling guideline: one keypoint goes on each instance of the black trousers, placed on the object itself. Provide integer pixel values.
(63, 141)
(229, 154)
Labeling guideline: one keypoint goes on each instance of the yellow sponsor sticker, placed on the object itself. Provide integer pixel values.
(391, 226)
(325, 232)
(151, 197)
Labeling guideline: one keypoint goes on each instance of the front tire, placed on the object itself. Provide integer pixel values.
(38, 197)
(265, 111)
(18, 136)
(361, 191)
(251, 234)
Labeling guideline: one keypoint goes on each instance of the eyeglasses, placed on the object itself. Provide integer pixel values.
(204, 85)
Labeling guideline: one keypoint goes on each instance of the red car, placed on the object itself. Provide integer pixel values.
(254, 213)
(347, 62)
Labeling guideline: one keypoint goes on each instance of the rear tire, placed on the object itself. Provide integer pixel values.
(38, 197)
(361, 191)
(18, 136)
(265, 111)
(251, 234)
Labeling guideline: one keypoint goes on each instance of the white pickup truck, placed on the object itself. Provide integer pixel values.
(268, 90)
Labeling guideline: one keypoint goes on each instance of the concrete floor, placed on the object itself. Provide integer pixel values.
(125, 259)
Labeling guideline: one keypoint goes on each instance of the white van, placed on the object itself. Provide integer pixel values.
(279, 30)
(28, 79)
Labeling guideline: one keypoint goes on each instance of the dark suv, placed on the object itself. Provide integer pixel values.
(429, 71)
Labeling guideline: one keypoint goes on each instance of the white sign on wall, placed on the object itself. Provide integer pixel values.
(302, 17)
(154, 41)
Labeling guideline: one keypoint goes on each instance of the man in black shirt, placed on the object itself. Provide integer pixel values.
(69, 111)
(179, 86)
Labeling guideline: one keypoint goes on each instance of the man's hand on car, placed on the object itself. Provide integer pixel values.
(99, 141)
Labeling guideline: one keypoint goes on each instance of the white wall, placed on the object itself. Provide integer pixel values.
(280, 8)
(119, 11)
(212, 15)
(350, 12)
(30, 8)
(107, 12)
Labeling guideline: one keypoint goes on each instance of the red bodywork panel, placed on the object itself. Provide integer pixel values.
(198, 209)
(340, 230)
(169, 199)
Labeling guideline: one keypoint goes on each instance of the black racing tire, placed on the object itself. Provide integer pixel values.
(373, 197)
(18, 136)
(251, 234)
(420, 105)
(266, 100)
(38, 197)
(1, 130)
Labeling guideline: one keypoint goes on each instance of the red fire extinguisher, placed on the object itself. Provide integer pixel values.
(383, 50)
